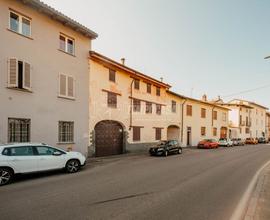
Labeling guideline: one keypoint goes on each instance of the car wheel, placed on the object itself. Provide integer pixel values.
(165, 153)
(72, 166)
(179, 151)
(5, 176)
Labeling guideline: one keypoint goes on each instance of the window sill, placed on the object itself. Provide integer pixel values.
(30, 38)
(66, 53)
(64, 143)
(68, 98)
(19, 89)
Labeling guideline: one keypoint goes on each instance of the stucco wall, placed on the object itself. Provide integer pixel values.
(43, 106)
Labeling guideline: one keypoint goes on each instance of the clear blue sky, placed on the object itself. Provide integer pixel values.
(208, 46)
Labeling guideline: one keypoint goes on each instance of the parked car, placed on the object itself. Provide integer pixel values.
(251, 141)
(225, 142)
(208, 144)
(241, 142)
(262, 140)
(30, 157)
(165, 148)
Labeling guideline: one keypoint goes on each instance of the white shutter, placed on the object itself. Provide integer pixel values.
(62, 85)
(27, 76)
(70, 86)
(12, 72)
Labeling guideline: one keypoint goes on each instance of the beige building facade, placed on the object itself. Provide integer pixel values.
(44, 76)
(246, 119)
(130, 111)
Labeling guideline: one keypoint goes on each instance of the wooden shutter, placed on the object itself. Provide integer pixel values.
(70, 86)
(112, 75)
(12, 72)
(158, 134)
(27, 76)
(62, 85)
(136, 133)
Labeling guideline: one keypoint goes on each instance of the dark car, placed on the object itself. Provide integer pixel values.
(164, 148)
(262, 140)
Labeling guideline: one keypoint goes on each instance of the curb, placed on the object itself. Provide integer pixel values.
(247, 206)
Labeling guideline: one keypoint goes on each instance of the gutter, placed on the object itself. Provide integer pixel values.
(131, 100)
(182, 121)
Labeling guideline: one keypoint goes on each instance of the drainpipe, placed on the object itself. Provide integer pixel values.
(182, 121)
(130, 110)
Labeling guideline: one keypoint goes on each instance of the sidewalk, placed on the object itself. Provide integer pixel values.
(259, 204)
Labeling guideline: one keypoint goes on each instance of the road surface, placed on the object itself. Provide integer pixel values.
(199, 184)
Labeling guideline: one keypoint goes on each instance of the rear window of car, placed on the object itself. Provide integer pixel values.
(6, 152)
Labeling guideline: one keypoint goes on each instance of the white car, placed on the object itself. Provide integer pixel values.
(30, 157)
(225, 142)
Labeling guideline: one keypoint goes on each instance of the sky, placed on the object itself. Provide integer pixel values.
(213, 47)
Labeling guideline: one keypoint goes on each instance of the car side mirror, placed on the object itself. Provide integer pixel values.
(56, 153)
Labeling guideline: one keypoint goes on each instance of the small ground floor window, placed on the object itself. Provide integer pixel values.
(66, 132)
(19, 130)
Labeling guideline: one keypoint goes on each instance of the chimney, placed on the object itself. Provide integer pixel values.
(161, 79)
(204, 98)
(123, 60)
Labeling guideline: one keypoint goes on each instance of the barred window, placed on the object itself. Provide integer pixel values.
(18, 130)
(66, 132)
(136, 105)
(112, 100)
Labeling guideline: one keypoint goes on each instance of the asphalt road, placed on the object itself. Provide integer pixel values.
(199, 184)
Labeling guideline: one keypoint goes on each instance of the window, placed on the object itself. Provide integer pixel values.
(19, 74)
(18, 130)
(148, 107)
(112, 100)
(214, 131)
(240, 120)
(112, 75)
(214, 115)
(136, 84)
(136, 105)
(42, 150)
(247, 130)
(240, 130)
(203, 113)
(66, 132)
(224, 116)
(21, 151)
(189, 110)
(173, 106)
(66, 44)
(158, 133)
(157, 91)
(247, 121)
(20, 24)
(148, 88)
(203, 131)
(158, 109)
(136, 133)
(66, 86)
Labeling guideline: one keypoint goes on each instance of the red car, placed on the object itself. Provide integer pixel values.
(208, 144)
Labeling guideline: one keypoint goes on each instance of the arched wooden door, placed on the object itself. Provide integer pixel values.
(108, 138)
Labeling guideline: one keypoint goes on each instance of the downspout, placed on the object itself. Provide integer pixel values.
(182, 121)
(131, 100)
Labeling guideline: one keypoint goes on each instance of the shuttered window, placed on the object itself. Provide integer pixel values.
(203, 113)
(158, 133)
(203, 131)
(136, 84)
(158, 109)
(112, 100)
(215, 115)
(173, 106)
(157, 91)
(214, 131)
(136, 133)
(189, 110)
(148, 107)
(66, 86)
(66, 132)
(136, 105)
(19, 74)
(148, 88)
(112, 75)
